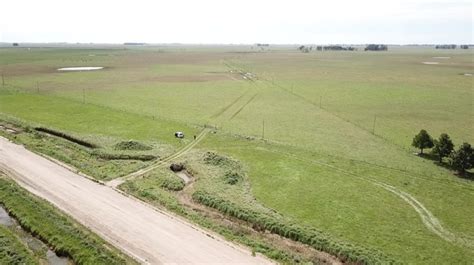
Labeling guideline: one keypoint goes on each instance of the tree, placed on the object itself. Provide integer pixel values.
(422, 140)
(463, 159)
(443, 147)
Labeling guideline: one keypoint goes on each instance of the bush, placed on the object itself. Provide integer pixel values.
(172, 183)
(232, 177)
(218, 160)
(132, 145)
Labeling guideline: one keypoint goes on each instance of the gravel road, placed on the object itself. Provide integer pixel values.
(143, 232)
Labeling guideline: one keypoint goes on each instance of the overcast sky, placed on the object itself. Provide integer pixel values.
(237, 21)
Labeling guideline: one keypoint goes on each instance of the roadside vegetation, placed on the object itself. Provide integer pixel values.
(148, 190)
(12, 250)
(100, 163)
(66, 237)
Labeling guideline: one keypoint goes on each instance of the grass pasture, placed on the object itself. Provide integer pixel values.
(337, 129)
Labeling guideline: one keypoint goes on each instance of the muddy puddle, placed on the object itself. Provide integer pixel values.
(184, 176)
(35, 245)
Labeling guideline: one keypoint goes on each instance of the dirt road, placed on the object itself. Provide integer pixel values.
(149, 235)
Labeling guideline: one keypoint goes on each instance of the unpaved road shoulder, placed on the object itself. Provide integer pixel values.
(134, 227)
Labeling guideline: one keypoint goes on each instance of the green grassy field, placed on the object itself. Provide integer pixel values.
(322, 160)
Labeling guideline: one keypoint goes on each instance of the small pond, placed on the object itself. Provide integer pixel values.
(82, 68)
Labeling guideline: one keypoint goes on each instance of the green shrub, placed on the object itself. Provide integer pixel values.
(132, 145)
(232, 177)
(172, 183)
(218, 160)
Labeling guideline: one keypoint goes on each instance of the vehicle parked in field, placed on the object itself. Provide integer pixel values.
(179, 134)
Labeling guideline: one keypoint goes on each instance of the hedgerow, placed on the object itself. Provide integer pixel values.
(107, 156)
(344, 251)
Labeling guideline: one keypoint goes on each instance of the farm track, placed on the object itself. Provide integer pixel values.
(161, 163)
(241, 108)
(428, 219)
(222, 114)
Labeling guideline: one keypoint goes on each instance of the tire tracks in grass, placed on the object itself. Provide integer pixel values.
(241, 108)
(432, 223)
(429, 220)
(220, 112)
(161, 163)
(164, 162)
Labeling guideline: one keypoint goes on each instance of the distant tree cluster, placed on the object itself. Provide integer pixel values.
(305, 49)
(15, 44)
(460, 160)
(335, 48)
(464, 46)
(446, 46)
(263, 44)
(376, 47)
(134, 43)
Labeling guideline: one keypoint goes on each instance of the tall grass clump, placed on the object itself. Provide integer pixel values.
(132, 145)
(12, 251)
(344, 251)
(233, 169)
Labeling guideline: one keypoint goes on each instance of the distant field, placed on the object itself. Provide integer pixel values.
(335, 124)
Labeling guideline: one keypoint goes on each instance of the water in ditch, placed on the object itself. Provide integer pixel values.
(40, 249)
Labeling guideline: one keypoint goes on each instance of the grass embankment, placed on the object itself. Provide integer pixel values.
(218, 176)
(335, 195)
(150, 189)
(218, 173)
(12, 250)
(344, 251)
(102, 163)
(66, 237)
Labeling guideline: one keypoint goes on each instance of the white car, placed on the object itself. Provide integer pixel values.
(179, 134)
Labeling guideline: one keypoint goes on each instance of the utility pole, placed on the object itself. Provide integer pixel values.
(263, 129)
(373, 127)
